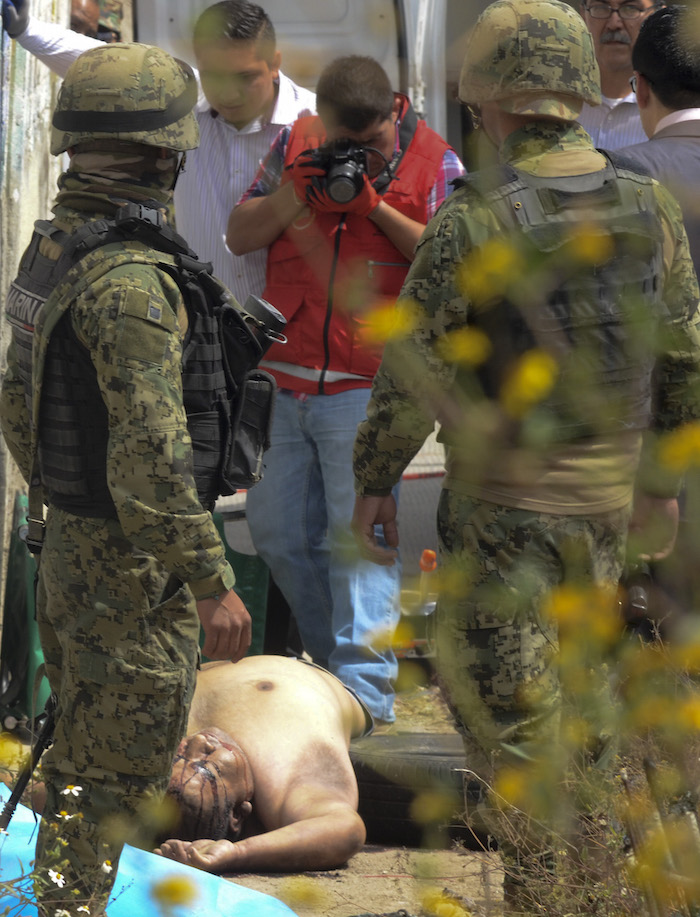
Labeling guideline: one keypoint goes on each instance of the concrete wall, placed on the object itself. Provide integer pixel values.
(28, 176)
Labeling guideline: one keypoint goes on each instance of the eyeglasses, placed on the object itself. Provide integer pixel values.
(633, 84)
(624, 11)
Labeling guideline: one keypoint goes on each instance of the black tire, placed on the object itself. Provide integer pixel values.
(392, 770)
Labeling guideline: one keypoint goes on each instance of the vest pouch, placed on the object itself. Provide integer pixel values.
(249, 435)
(241, 348)
(205, 433)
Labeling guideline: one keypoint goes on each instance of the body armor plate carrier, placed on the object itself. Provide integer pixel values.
(583, 288)
(227, 400)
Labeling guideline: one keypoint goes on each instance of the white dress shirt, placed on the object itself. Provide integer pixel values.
(614, 123)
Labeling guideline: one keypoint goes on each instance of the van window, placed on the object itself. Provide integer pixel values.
(309, 33)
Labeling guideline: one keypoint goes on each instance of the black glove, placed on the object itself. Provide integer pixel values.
(15, 16)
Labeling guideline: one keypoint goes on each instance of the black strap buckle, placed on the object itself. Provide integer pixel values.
(32, 534)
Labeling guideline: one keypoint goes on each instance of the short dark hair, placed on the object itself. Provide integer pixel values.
(354, 92)
(237, 20)
(667, 53)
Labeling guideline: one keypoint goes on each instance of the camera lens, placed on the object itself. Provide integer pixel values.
(344, 182)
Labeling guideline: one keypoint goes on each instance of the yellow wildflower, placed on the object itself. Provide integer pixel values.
(433, 806)
(466, 346)
(530, 380)
(437, 904)
(590, 244)
(300, 891)
(488, 271)
(389, 320)
(680, 448)
(174, 890)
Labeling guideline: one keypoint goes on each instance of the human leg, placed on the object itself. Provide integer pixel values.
(365, 596)
(511, 666)
(286, 514)
(121, 648)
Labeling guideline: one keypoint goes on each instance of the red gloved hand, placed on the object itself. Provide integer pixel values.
(303, 174)
(361, 205)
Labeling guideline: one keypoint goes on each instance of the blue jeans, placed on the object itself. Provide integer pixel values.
(299, 517)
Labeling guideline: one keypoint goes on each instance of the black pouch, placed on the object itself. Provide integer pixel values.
(249, 433)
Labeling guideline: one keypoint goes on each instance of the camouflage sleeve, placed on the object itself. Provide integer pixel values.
(14, 415)
(677, 388)
(410, 388)
(129, 322)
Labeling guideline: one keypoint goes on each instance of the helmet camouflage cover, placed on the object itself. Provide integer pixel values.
(131, 92)
(532, 57)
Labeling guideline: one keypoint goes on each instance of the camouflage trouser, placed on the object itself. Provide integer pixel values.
(497, 649)
(120, 641)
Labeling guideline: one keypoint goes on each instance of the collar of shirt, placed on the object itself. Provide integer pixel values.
(677, 117)
(285, 111)
(630, 98)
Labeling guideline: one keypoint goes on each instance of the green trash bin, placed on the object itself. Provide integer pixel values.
(21, 656)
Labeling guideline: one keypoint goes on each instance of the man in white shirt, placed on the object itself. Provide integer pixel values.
(614, 27)
(244, 102)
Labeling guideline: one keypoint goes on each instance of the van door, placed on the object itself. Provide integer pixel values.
(310, 33)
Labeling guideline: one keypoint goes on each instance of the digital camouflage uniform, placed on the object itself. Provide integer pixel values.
(110, 21)
(116, 596)
(524, 511)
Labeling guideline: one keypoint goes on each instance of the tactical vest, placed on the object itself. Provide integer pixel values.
(592, 248)
(69, 416)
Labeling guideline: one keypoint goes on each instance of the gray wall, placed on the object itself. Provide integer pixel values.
(28, 175)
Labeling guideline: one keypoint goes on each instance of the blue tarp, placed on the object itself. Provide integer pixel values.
(138, 871)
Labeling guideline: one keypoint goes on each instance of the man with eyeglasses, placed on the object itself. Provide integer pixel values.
(614, 27)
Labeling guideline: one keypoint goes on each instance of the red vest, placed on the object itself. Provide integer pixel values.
(326, 270)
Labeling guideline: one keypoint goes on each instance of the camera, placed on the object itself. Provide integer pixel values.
(345, 165)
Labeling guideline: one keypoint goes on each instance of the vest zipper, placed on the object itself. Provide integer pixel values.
(329, 308)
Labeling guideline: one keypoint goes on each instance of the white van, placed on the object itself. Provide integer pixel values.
(420, 43)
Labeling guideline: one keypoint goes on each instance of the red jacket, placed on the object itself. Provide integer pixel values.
(327, 269)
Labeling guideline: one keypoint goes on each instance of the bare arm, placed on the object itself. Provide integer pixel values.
(258, 221)
(324, 841)
(400, 229)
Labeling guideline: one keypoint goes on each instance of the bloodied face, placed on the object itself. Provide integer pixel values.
(212, 785)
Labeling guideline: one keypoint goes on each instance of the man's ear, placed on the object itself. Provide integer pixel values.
(643, 91)
(237, 818)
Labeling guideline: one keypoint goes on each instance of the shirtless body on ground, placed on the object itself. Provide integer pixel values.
(264, 780)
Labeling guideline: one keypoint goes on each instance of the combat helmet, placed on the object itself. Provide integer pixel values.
(126, 91)
(531, 57)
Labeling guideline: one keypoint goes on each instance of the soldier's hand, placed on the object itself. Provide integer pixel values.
(15, 16)
(653, 527)
(227, 626)
(371, 511)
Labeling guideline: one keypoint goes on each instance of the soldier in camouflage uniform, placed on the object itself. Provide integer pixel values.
(109, 27)
(533, 302)
(131, 560)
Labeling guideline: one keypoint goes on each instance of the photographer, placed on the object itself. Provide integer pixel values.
(340, 245)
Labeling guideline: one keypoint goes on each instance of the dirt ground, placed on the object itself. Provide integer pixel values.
(383, 880)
